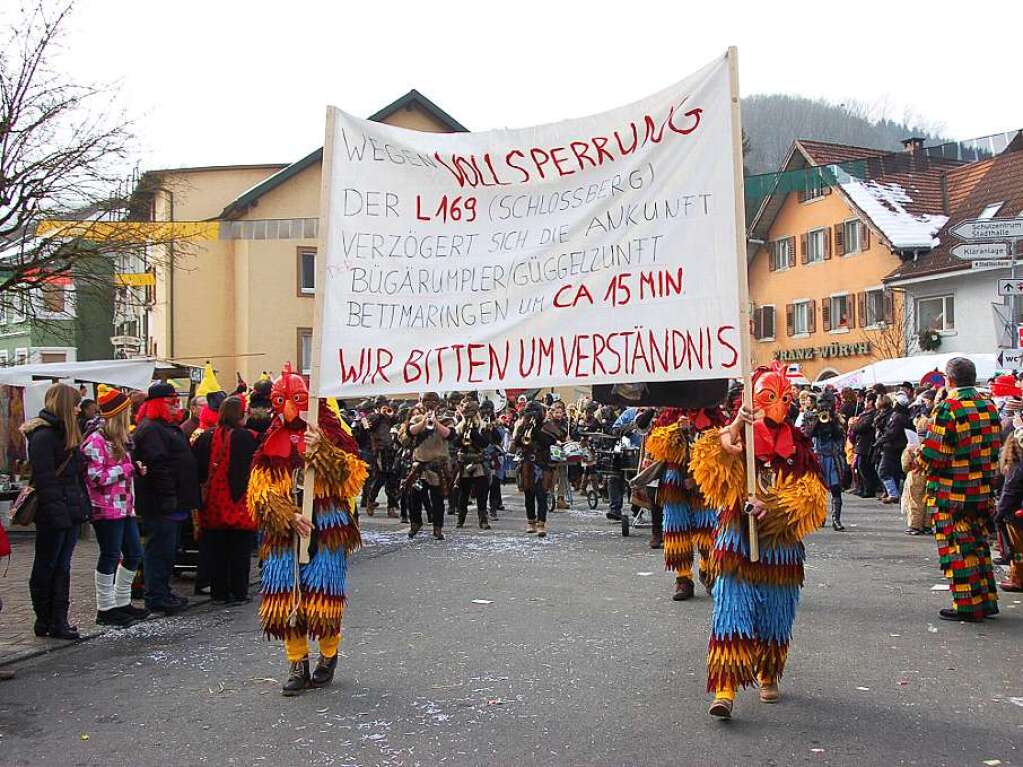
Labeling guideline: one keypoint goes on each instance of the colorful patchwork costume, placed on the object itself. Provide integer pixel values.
(755, 602)
(689, 521)
(301, 601)
(961, 456)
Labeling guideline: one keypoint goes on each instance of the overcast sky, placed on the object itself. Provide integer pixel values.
(221, 82)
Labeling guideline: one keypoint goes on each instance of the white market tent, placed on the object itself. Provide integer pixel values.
(131, 374)
(912, 369)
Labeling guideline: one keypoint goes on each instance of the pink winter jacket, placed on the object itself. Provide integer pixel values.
(108, 479)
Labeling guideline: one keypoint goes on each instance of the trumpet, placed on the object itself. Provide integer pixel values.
(387, 411)
(824, 416)
(431, 420)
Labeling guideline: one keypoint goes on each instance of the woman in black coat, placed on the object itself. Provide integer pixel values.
(53, 440)
(861, 433)
(892, 441)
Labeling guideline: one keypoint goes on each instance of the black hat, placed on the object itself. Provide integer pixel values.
(160, 390)
(215, 399)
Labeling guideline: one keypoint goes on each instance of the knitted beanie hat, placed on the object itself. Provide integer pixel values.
(111, 401)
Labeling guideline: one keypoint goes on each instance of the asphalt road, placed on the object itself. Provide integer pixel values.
(575, 655)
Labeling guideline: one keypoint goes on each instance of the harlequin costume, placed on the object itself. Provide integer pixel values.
(755, 602)
(305, 600)
(688, 520)
(960, 454)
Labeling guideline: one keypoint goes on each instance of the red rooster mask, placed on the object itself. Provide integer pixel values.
(289, 397)
(772, 397)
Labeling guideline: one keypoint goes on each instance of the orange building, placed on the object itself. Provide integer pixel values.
(818, 257)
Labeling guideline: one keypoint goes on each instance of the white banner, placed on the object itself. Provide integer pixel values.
(596, 250)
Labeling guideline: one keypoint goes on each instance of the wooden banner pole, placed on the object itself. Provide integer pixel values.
(313, 418)
(742, 281)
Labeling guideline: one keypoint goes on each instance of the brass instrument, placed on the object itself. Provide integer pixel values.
(824, 416)
(387, 411)
(431, 420)
(527, 432)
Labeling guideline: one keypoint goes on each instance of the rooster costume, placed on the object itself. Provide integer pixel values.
(301, 601)
(689, 521)
(755, 602)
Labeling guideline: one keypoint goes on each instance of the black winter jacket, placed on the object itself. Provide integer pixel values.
(1011, 498)
(171, 482)
(862, 433)
(63, 500)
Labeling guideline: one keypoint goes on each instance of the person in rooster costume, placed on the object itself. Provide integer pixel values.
(755, 601)
(300, 601)
(688, 521)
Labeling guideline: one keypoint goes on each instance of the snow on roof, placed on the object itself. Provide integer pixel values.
(884, 204)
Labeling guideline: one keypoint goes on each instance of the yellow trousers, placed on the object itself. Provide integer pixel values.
(728, 693)
(297, 648)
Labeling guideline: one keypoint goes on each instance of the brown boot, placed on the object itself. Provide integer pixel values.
(541, 529)
(657, 540)
(562, 503)
(392, 512)
(721, 708)
(683, 589)
(438, 534)
(769, 692)
(530, 527)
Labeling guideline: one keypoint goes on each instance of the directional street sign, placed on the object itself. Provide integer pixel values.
(974, 229)
(994, 263)
(1010, 287)
(1010, 358)
(981, 251)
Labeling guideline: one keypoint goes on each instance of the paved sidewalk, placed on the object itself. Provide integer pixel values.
(17, 641)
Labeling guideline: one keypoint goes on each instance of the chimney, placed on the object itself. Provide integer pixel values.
(913, 144)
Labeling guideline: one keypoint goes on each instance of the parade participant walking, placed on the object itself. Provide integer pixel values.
(224, 457)
(303, 601)
(166, 494)
(688, 521)
(823, 426)
(532, 438)
(493, 456)
(109, 478)
(960, 453)
(470, 470)
(378, 423)
(53, 440)
(892, 442)
(755, 602)
(429, 435)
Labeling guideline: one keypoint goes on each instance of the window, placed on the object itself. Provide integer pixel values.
(873, 308)
(801, 318)
(815, 187)
(816, 246)
(936, 313)
(305, 350)
(3, 313)
(20, 356)
(306, 271)
(837, 314)
(18, 308)
(53, 299)
(763, 323)
(782, 254)
(4, 358)
(851, 237)
(991, 210)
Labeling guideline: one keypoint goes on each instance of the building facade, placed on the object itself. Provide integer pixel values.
(817, 263)
(946, 295)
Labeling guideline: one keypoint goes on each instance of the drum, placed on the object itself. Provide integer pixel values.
(630, 459)
(574, 452)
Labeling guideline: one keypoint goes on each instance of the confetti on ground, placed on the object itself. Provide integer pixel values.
(895, 635)
(1016, 701)
(482, 602)
(863, 689)
(816, 750)
(992, 762)
(932, 628)
(644, 574)
(939, 587)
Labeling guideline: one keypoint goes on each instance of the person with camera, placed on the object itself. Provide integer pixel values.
(429, 435)
(824, 426)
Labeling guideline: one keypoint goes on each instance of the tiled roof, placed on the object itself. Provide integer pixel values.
(970, 189)
(825, 153)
